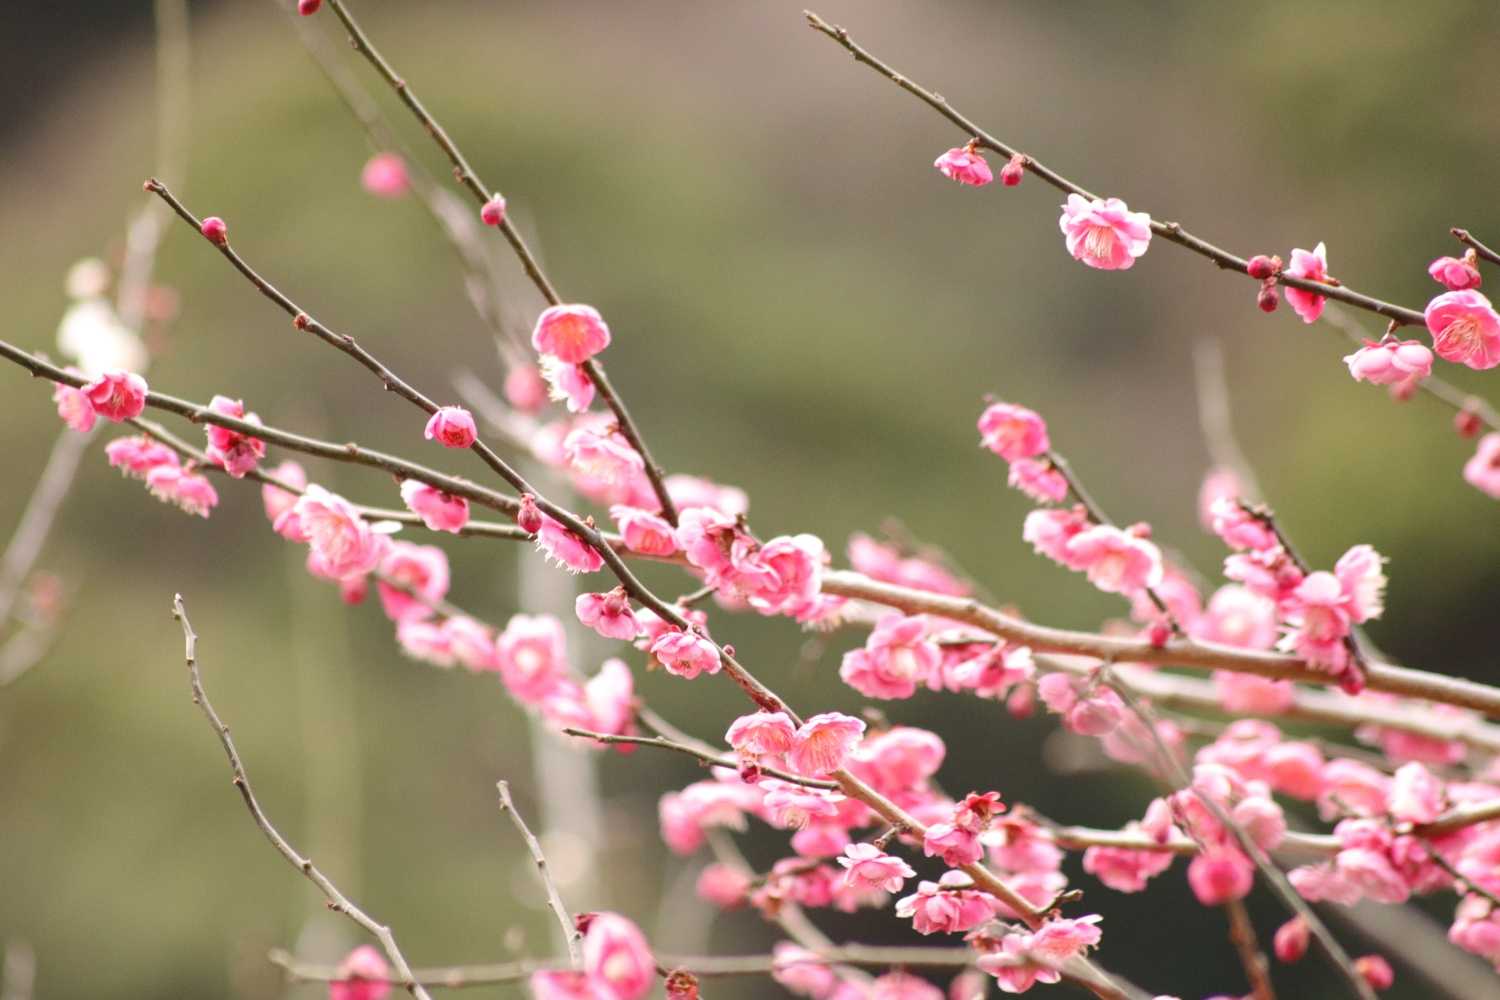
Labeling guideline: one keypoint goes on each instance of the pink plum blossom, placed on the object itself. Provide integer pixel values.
(1060, 940)
(1014, 968)
(438, 510)
(1038, 479)
(617, 959)
(1104, 233)
(422, 569)
(794, 565)
(561, 985)
(868, 865)
(803, 972)
(1220, 876)
(1220, 483)
(531, 653)
(724, 886)
(341, 541)
(964, 165)
(896, 658)
(232, 451)
(1416, 795)
(1116, 561)
(470, 642)
(685, 654)
(948, 906)
(566, 549)
(384, 175)
(608, 458)
(761, 734)
(1123, 869)
(117, 395)
(362, 975)
(277, 500)
(1465, 329)
(182, 488)
(1310, 266)
(1476, 928)
(137, 456)
(1050, 531)
(452, 427)
(899, 759)
(569, 384)
(822, 743)
(608, 614)
(526, 389)
(570, 333)
(1455, 273)
(1013, 431)
(1390, 361)
(792, 806)
(644, 532)
(1482, 471)
(74, 408)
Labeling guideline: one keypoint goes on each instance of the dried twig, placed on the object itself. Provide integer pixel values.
(554, 898)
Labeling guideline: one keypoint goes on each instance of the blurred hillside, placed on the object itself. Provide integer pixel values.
(801, 307)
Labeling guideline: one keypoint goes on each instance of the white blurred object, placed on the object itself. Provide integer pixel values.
(88, 279)
(92, 336)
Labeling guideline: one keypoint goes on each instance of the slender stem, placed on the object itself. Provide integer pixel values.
(1247, 946)
(554, 898)
(1170, 231)
(337, 901)
(1468, 239)
(469, 179)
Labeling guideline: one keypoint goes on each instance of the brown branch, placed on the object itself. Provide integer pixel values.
(337, 901)
(1468, 239)
(554, 898)
(1170, 231)
(469, 179)
(1247, 946)
(711, 759)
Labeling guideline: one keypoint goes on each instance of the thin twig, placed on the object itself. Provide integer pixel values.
(554, 898)
(1468, 239)
(713, 760)
(337, 901)
(1170, 231)
(1214, 416)
(1247, 946)
(469, 179)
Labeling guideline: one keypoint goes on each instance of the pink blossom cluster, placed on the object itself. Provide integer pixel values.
(165, 476)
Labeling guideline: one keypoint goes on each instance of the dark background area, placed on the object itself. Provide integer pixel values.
(801, 307)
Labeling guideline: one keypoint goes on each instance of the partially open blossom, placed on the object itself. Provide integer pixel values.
(421, 569)
(1104, 233)
(137, 456)
(644, 532)
(1013, 431)
(277, 500)
(608, 614)
(232, 451)
(452, 427)
(182, 488)
(1123, 869)
(1013, 171)
(617, 959)
(384, 175)
(563, 547)
(896, 658)
(792, 806)
(1311, 266)
(567, 383)
(73, 407)
(362, 975)
(965, 165)
(117, 395)
(1061, 940)
(1014, 968)
(570, 333)
(492, 212)
(685, 654)
(868, 865)
(608, 458)
(1455, 273)
(787, 575)
(1465, 329)
(1482, 471)
(1050, 531)
(761, 734)
(949, 906)
(1038, 479)
(822, 743)
(1116, 561)
(340, 540)
(1390, 361)
(438, 510)
(1220, 875)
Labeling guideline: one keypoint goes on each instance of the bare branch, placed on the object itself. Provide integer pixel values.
(554, 898)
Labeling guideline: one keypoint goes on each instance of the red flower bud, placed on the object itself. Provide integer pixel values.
(493, 212)
(529, 517)
(1376, 971)
(1467, 422)
(1290, 943)
(213, 227)
(1260, 267)
(308, 7)
(1013, 171)
(1268, 300)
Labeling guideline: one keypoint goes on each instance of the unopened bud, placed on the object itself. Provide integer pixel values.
(1268, 300)
(1466, 421)
(493, 212)
(308, 7)
(1013, 171)
(1376, 971)
(1290, 943)
(1260, 267)
(529, 517)
(214, 229)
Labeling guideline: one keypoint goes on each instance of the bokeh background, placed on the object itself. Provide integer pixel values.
(802, 307)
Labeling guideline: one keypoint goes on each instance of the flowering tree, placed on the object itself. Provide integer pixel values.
(1407, 804)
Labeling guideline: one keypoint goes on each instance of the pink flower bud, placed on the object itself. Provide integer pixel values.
(213, 227)
(1291, 939)
(965, 165)
(1267, 299)
(1376, 971)
(1013, 171)
(1260, 267)
(363, 974)
(384, 174)
(1466, 422)
(308, 7)
(529, 517)
(493, 212)
(452, 427)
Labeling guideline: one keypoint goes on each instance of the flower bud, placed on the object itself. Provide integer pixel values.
(308, 7)
(493, 212)
(1376, 971)
(1290, 943)
(1466, 421)
(1013, 171)
(529, 517)
(1268, 300)
(214, 229)
(1260, 267)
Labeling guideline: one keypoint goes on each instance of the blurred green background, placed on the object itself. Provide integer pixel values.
(801, 306)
